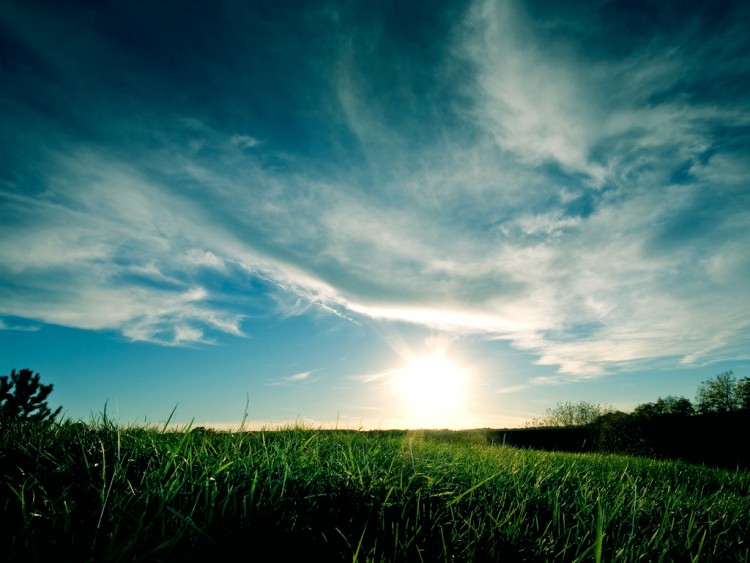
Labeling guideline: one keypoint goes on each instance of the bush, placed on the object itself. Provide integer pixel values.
(571, 414)
(24, 398)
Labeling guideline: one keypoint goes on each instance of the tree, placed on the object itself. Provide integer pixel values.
(743, 392)
(23, 398)
(667, 405)
(571, 414)
(647, 410)
(719, 394)
(677, 405)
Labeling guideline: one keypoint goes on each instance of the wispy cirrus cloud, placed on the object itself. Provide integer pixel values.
(539, 176)
(23, 327)
(295, 379)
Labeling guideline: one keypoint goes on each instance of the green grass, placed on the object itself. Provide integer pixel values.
(98, 492)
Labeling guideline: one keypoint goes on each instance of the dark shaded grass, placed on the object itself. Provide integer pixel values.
(98, 492)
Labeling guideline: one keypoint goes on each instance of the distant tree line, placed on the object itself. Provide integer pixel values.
(721, 394)
(670, 427)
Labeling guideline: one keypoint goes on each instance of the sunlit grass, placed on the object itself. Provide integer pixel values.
(100, 492)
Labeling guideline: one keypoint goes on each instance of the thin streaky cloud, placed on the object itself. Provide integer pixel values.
(511, 389)
(581, 195)
(296, 378)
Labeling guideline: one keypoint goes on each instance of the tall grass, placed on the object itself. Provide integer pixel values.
(99, 492)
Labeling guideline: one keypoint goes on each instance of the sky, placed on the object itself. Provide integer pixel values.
(372, 214)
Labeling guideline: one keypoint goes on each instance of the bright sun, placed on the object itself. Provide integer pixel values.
(433, 389)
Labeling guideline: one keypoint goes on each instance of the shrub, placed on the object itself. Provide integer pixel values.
(24, 398)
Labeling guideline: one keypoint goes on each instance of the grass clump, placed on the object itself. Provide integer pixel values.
(99, 492)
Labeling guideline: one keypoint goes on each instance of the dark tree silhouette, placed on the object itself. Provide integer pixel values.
(572, 414)
(665, 406)
(719, 394)
(743, 392)
(23, 398)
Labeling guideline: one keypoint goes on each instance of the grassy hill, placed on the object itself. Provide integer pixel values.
(98, 492)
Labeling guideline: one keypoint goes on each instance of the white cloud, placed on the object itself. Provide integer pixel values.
(544, 219)
(244, 141)
(299, 377)
(19, 327)
(205, 258)
(535, 104)
(532, 279)
(512, 389)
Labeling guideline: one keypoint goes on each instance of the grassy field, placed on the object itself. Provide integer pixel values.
(98, 492)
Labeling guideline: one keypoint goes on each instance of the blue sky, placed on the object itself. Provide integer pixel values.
(325, 210)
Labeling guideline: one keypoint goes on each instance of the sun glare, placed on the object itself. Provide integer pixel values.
(432, 388)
